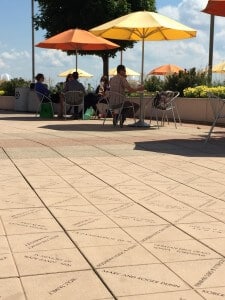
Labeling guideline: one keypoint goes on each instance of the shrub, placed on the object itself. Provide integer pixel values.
(153, 84)
(9, 86)
(202, 91)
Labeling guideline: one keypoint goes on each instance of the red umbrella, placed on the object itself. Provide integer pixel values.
(215, 7)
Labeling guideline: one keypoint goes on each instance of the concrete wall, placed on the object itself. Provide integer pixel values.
(190, 109)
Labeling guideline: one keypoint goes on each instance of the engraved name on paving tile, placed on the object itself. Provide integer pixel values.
(48, 259)
(30, 225)
(205, 228)
(25, 213)
(155, 233)
(118, 254)
(104, 237)
(42, 240)
(187, 251)
(85, 222)
(136, 219)
(120, 208)
(141, 278)
(210, 272)
(62, 286)
(213, 293)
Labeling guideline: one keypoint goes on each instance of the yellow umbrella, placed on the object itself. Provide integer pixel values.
(144, 26)
(219, 68)
(80, 72)
(129, 72)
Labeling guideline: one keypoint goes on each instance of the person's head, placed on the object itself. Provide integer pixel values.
(121, 69)
(40, 77)
(104, 79)
(69, 77)
(75, 75)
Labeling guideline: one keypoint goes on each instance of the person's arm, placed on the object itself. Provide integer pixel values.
(130, 89)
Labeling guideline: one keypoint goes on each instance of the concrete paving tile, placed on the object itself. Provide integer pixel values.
(30, 152)
(7, 266)
(185, 217)
(187, 294)
(204, 230)
(207, 186)
(45, 182)
(170, 251)
(130, 214)
(4, 246)
(219, 214)
(190, 196)
(103, 195)
(86, 222)
(212, 293)
(33, 213)
(38, 167)
(70, 211)
(83, 180)
(100, 237)
(15, 198)
(82, 284)
(135, 280)
(51, 261)
(214, 204)
(118, 255)
(39, 242)
(160, 202)
(201, 273)
(61, 197)
(156, 233)
(30, 226)
(7, 292)
(2, 231)
(218, 244)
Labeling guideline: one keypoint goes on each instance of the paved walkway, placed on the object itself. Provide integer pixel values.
(92, 212)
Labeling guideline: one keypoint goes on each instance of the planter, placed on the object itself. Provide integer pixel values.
(190, 109)
(7, 102)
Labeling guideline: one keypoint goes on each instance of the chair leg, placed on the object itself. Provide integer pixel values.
(211, 129)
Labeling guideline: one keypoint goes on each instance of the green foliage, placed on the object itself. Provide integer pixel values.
(202, 91)
(153, 84)
(56, 16)
(2, 93)
(185, 79)
(9, 86)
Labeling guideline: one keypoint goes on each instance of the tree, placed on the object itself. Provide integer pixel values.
(56, 16)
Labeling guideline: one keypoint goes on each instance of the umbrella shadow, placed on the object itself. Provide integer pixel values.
(185, 147)
(91, 127)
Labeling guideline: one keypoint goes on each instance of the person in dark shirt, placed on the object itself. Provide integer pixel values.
(43, 89)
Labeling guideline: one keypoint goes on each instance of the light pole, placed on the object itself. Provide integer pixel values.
(32, 30)
(211, 40)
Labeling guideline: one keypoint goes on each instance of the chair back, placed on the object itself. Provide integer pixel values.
(217, 105)
(74, 98)
(115, 99)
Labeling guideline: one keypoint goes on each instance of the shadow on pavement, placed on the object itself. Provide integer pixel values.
(185, 147)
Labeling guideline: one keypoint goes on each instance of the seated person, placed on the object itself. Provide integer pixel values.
(42, 88)
(72, 84)
(100, 92)
(119, 84)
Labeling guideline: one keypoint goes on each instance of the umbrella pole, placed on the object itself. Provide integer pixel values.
(76, 60)
(141, 122)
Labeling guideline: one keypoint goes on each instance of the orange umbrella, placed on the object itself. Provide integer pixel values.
(215, 7)
(166, 70)
(77, 39)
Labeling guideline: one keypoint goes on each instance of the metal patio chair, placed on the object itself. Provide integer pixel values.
(218, 109)
(73, 99)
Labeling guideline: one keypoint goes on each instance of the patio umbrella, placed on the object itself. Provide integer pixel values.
(144, 26)
(77, 39)
(215, 7)
(129, 72)
(80, 72)
(166, 70)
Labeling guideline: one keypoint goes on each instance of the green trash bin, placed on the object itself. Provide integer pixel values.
(46, 110)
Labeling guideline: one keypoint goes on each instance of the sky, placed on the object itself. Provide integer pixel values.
(16, 44)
